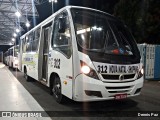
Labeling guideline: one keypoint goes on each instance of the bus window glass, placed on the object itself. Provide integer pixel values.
(30, 36)
(20, 44)
(35, 42)
(98, 32)
(25, 40)
(122, 35)
(16, 49)
(11, 52)
(35, 45)
(46, 38)
(29, 42)
(29, 47)
(62, 40)
(37, 34)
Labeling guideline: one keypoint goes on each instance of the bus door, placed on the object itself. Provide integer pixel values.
(45, 53)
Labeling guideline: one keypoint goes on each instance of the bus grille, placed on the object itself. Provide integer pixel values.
(123, 89)
(116, 77)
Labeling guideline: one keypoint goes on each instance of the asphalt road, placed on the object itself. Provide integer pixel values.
(147, 102)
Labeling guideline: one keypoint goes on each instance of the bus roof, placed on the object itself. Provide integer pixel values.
(13, 46)
(60, 10)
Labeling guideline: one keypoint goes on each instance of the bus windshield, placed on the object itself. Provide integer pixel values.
(97, 31)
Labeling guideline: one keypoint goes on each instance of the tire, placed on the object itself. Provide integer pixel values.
(26, 76)
(56, 89)
(51, 86)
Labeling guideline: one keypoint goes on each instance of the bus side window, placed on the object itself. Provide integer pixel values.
(20, 42)
(61, 39)
(11, 52)
(29, 42)
(24, 44)
(35, 42)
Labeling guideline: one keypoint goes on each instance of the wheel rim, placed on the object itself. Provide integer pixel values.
(57, 88)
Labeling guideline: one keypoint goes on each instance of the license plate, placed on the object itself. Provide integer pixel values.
(120, 96)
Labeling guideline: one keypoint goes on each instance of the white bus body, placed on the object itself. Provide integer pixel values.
(83, 54)
(13, 57)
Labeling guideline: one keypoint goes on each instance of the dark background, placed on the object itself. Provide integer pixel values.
(141, 16)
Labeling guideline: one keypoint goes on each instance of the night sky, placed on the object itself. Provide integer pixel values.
(45, 10)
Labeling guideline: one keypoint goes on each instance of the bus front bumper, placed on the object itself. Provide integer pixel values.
(89, 89)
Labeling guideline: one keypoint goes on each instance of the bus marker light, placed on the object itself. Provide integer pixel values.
(65, 82)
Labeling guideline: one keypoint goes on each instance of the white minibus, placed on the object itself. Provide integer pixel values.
(83, 54)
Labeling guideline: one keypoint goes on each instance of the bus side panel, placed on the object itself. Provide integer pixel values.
(61, 65)
(30, 61)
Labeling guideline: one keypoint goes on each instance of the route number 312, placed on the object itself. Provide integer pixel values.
(57, 63)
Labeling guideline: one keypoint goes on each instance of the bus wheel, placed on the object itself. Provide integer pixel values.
(57, 90)
(26, 76)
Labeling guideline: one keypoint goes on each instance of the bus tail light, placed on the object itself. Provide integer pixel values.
(88, 71)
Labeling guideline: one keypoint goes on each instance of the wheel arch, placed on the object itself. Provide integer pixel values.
(51, 78)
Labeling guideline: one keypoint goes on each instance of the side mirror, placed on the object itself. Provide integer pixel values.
(61, 25)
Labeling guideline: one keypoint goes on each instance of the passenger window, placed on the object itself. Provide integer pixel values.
(22, 44)
(37, 34)
(11, 52)
(25, 44)
(30, 37)
(61, 39)
(29, 46)
(35, 42)
(46, 38)
(29, 42)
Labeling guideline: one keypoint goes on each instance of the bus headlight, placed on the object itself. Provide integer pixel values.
(85, 69)
(142, 71)
(88, 71)
(140, 74)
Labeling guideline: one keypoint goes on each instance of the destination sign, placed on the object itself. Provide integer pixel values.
(113, 69)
